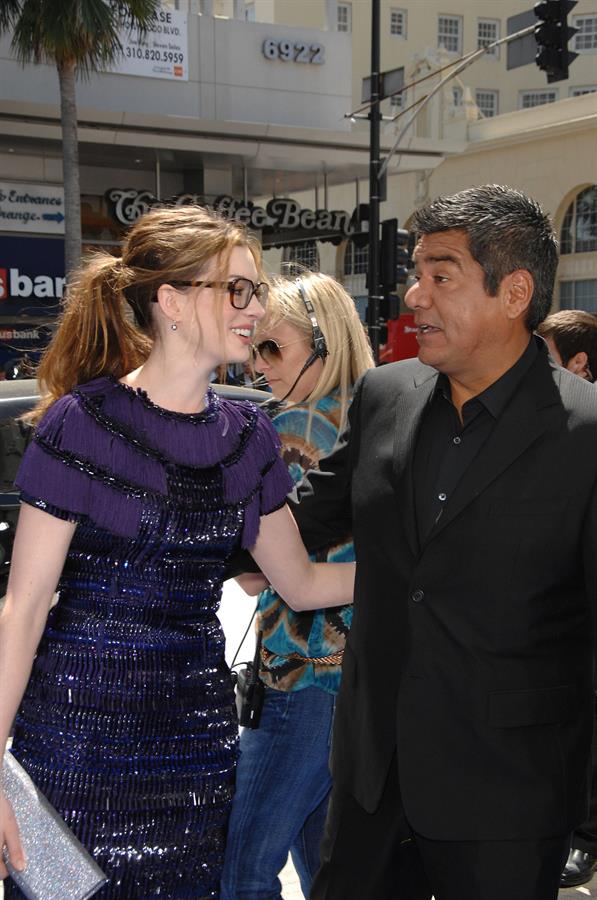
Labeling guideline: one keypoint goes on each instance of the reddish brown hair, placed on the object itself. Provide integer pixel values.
(107, 325)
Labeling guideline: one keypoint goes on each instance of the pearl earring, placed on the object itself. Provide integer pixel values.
(174, 326)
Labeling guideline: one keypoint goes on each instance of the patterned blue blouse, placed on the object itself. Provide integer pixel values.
(304, 649)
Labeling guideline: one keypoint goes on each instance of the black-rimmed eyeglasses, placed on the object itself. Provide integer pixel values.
(240, 290)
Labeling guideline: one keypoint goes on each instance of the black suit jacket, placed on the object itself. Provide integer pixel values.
(472, 652)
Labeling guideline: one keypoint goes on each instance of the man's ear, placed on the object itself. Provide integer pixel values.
(578, 363)
(520, 287)
(169, 302)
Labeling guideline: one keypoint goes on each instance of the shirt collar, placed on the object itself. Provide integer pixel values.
(495, 397)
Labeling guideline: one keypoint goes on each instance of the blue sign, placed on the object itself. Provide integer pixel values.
(31, 276)
(21, 346)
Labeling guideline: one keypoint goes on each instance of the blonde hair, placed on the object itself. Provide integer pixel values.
(97, 335)
(349, 353)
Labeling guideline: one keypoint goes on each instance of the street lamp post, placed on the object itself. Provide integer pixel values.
(374, 296)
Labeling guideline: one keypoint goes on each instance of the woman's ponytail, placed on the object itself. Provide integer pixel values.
(95, 336)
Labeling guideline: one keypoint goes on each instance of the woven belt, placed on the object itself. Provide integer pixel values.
(332, 660)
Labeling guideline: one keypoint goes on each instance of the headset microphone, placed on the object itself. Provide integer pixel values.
(320, 350)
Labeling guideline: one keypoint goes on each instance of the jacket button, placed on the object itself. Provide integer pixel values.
(417, 595)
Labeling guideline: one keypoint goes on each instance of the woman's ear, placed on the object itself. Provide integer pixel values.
(170, 303)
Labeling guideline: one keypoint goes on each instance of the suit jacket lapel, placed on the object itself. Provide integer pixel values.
(525, 419)
(409, 410)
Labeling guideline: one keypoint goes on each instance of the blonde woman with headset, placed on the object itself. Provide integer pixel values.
(311, 348)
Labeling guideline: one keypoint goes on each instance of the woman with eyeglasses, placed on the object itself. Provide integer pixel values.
(138, 486)
(311, 348)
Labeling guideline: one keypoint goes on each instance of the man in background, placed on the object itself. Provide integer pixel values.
(571, 335)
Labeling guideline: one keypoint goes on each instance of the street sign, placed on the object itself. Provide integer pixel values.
(522, 51)
(390, 82)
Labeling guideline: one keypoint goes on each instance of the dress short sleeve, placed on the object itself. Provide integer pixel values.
(257, 468)
(66, 471)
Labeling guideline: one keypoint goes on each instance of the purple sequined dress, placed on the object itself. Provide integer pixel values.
(127, 724)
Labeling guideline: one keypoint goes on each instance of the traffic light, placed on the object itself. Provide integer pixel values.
(395, 254)
(552, 35)
(360, 223)
(405, 241)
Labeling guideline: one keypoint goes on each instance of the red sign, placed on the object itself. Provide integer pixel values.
(402, 339)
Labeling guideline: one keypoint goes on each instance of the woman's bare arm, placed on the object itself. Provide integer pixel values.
(280, 554)
(40, 548)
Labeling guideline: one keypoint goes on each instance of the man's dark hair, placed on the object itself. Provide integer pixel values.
(506, 230)
(572, 331)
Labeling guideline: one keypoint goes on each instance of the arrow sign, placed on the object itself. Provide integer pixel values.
(53, 217)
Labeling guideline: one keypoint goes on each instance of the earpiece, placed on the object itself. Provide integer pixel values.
(320, 348)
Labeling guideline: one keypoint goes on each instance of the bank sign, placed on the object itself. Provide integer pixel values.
(33, 208)
(31, 276)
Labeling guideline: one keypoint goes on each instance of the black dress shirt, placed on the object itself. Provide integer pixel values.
(446, 446)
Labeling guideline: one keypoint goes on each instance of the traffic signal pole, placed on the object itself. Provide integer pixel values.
(374, 296)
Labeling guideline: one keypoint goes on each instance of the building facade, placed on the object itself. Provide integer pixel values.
(246, 104)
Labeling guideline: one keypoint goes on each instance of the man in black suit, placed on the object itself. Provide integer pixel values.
(571, 335)
(469, 481)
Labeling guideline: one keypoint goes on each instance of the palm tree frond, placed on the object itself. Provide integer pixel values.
(9, 13)
(83, 33)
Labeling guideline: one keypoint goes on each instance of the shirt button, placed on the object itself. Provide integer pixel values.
(442, 496)
(417, 595)
(457, 440)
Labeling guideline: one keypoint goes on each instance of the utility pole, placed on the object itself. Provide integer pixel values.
(374, 296)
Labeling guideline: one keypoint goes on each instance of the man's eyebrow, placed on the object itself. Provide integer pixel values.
(444, 257)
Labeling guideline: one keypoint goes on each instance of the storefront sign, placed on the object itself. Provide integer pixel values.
(280, 214)
(161, 52)
(21, 346)
(34, 208)
(31, 276)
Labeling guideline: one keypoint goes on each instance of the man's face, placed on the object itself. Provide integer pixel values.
(460, 327)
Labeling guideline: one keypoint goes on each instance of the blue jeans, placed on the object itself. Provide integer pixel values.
(282, 787)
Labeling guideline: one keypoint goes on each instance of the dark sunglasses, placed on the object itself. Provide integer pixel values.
(270, 349)
(240, 290)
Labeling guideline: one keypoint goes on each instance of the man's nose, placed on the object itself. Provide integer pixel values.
(417, 296)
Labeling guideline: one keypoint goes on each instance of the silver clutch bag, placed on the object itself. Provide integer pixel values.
(58, 866)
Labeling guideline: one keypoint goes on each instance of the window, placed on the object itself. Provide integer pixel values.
(487, 103)
(579, 295)
(449, 33)
(488, 31)
(528, 99)
(398, 101)
(585, 40)
(356, 259)
(344, 20)
(579, 228)
(398, 23)
(579, 91)
(304, 254)
(457, 95)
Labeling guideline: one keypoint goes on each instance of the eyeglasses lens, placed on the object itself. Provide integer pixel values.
(242, 290)
(268, 350)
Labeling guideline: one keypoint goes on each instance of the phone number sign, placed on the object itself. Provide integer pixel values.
(161, 52)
